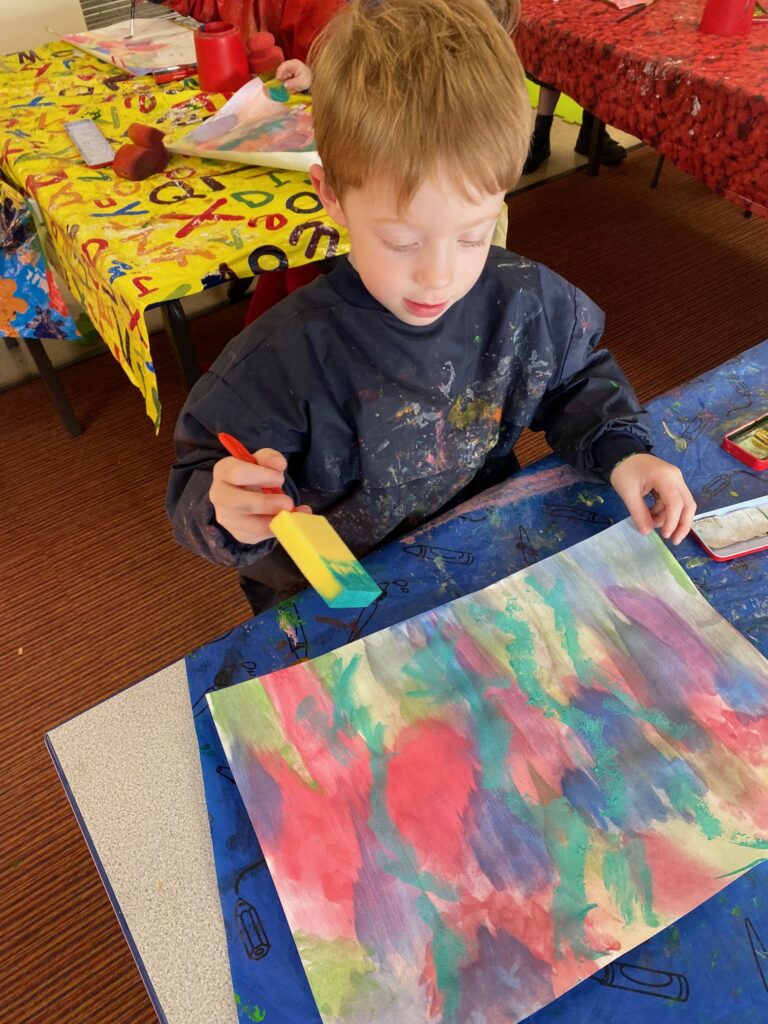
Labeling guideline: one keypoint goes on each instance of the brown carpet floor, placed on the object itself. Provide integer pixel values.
(95, 594)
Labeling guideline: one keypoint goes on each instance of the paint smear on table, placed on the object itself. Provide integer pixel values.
(469, 812)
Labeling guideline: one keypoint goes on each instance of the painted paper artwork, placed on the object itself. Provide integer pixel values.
(252, 128)
(31, 305)
(469, 812)
(156, 43)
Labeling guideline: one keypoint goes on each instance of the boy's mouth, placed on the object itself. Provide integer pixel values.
(424, 309)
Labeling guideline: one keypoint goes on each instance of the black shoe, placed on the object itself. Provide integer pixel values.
(540, 150)
(610, 152)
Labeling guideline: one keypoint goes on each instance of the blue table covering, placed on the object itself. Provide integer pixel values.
(712, 965)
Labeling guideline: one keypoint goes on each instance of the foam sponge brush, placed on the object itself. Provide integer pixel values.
(325, 560)
(316, 548)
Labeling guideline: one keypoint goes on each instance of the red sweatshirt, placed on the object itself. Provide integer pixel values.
(293, 23)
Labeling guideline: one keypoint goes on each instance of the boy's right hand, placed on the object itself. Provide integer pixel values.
(238, 498)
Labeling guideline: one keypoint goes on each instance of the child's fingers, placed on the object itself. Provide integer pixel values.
(227, 497)
(639, 511)
(686, 518)
(672, 511)
(247, 529)
(246, 474)
(296, 83)
(287, 70)
(673, 514)
(245, 502)
(269, 457)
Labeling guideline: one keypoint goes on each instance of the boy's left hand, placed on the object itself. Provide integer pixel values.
(673, 509)
(295, 75)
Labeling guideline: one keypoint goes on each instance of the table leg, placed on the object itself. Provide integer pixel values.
(657, 172)
(177, 328)
(593, 160)
(53, 386)
(238, 288)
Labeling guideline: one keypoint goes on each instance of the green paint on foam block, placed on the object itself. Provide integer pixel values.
(357, 588)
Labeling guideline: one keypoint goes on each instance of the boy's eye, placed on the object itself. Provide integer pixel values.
(472, 243)
(400, 248)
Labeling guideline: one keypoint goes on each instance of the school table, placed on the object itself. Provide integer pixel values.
(700, 100)
(147, 777)
(124, 246)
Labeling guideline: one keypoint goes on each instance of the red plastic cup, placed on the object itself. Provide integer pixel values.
(222, 63)
(727, 17)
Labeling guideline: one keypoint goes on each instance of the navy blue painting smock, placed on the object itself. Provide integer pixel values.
(385, 424)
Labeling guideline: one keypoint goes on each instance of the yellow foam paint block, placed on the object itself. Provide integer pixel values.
(324, 558)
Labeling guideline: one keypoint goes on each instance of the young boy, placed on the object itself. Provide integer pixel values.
(396, 386)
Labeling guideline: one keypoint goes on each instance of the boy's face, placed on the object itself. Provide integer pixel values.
(420, 261)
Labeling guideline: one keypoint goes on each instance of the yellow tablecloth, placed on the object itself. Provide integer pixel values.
(122, 245)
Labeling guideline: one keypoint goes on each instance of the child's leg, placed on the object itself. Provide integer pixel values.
(611, 152)
(540, 148)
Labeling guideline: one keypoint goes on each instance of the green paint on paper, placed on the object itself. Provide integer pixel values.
(618, 880)
(674, 567)
(339, 971)
(345, 709)
(569, 900)
(686, 801)
(750, 841)
(448, 950)
(747, 867)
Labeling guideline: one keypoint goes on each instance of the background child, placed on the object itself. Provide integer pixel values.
(396, 386)
(294, 24)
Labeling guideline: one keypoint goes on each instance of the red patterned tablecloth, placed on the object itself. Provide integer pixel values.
(700, 100)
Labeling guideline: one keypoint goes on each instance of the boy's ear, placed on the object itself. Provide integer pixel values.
(327, 196)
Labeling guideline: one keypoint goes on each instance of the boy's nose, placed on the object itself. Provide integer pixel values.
(435, 271)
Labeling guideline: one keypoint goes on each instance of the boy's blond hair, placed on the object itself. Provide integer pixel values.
(405, 88)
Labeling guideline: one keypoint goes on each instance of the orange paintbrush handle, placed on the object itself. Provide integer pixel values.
(238, 450)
